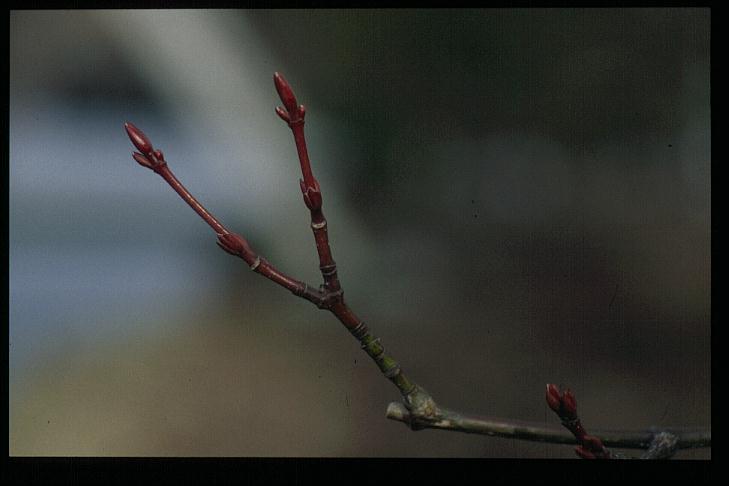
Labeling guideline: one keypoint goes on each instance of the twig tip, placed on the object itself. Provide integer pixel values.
(139, 139)
(285, 93)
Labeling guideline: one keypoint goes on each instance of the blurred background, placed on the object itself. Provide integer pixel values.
(515, 197)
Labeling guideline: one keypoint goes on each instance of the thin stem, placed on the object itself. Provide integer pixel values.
(168, 176)
(686, 438)
(301, 150)
(293, 114)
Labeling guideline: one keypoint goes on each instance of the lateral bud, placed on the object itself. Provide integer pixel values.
(569, 404)
(236, 245)
(312, 194)
(283, 114)
(142, 160)
(553, 399)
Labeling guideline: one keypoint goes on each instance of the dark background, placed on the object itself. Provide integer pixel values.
(514, 196)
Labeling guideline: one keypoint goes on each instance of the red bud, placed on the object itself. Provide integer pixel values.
(235, 245)
(569, 404)
(160, 156)
(282, 114)
(285, 93)
(312, 195)
(139, 139)
(553, 398)
(142, 160)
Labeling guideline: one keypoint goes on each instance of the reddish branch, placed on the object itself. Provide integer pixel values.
(230, 242)
(420, 410)
(293, 114)
(329, 295)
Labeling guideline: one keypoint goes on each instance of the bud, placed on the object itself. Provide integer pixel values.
(139, 139)
(159, 155)
(553, 399)
(285, 93)
(569, 404)
(142, 160)
(312, 195)
(234, 244)
(283, 114)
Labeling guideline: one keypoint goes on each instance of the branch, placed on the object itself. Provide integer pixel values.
(661, 443)
(419, 410)
(230, 242)
(329, 295)
(293, 114)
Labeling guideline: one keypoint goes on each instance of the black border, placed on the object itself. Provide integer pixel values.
(125, 470)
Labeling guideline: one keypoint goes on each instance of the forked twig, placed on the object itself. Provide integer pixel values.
(419, 410)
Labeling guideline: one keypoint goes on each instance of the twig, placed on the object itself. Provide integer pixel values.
(329, 296)
(687, 438)
(293, 115)
(419, 410)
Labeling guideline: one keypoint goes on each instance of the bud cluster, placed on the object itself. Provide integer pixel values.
(564, 404)
(149, 157)
(292, 113)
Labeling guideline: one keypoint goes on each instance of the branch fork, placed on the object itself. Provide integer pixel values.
(418, 408)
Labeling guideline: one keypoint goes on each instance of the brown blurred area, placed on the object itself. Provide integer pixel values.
(514, 197)
(247, 382)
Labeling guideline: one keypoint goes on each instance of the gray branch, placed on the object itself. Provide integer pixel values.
(660, 443)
